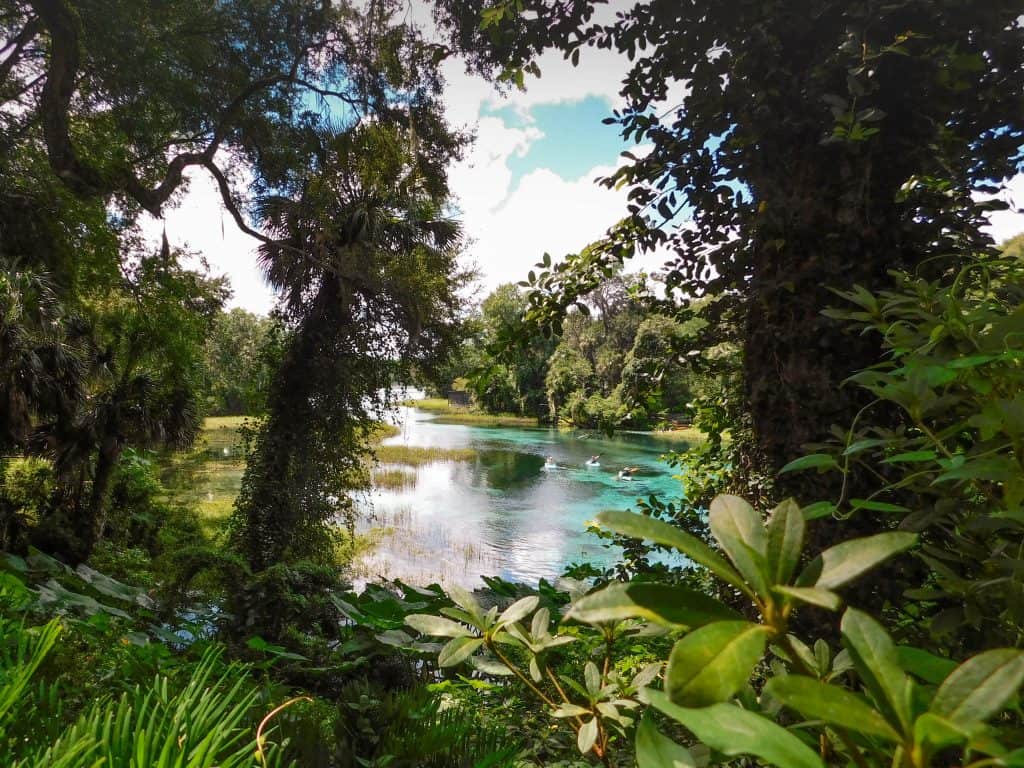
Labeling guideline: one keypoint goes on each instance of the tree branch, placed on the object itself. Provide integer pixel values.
(62, 22)
(30, 30)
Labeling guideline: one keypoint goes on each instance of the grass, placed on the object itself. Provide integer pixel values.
(394, 478)
(683, 435)
(456, 414)
(348, 549)
(416, 456)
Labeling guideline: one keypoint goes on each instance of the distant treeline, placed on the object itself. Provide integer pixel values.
(240, 357)
(614, 363)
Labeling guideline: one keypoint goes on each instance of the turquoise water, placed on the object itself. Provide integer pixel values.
(504, 513)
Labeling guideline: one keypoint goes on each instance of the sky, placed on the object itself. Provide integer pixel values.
(526, 187)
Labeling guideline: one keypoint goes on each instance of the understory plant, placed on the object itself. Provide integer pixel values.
(740, 679)
(940, 447)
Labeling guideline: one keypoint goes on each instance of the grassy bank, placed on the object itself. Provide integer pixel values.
(416, 456)
(684, 435)
(455, 414)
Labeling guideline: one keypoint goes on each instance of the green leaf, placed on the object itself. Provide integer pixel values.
(642, 527)
(822, 598)
(592, 677)
(980, 687)
(458, 650)
(570, 710)
(845, 562)
(662, 603)
(814, 461)
(816, 700)
(587, 736)
(929, 667)
(436, 626)
(653, 750)
(911, 457)
(739, 531)
(860, 446)
(490, 666)
(734, 731)
(874, 657)
(877, 506)
(520, 609)
(818, 510)
(465, 600)
(933, 732)
(785, 530)
(712, 663)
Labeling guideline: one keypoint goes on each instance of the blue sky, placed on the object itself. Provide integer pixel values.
(574, 139)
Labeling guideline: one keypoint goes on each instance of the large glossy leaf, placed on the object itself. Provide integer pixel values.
(816, 700)
(712, 663)
(874, 657)
(587, 736)
(519, 610)
(738, 530)
(653, 750)
(642, 527)
(662, 603)
(785, 540)
(927, 666)
(734, 731)
(980, 687)
(457, 650)
(822, 598)
(844, 562)
(436, 626)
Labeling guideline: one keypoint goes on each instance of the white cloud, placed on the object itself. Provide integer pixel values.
(201, 224)
(1006, 224)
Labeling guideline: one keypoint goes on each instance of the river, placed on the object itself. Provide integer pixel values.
(503, 513)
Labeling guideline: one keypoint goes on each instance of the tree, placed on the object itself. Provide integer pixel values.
(142, 377)
(517, 387)
(366, 265)
(653, 377)
(125, 97)
(814, 145)
(568, 372)
(241, 355)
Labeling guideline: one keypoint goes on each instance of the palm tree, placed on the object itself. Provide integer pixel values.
(40, 364)
(141, 390)
(365, 264)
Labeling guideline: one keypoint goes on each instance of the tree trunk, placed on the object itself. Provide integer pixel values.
(94, 519)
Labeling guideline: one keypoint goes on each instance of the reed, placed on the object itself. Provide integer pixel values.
(394, 478)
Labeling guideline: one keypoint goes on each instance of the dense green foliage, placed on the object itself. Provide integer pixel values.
(612, 364)
(241, 355)
(815, 145)
(834, 318)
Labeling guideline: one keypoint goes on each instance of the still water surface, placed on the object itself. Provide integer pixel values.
(503, 513)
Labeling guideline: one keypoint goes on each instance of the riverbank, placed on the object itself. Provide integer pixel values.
(457, 414)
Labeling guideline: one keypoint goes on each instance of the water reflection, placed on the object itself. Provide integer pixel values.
(503, 513)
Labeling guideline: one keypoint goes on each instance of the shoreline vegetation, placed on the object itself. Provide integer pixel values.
(457, 414)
